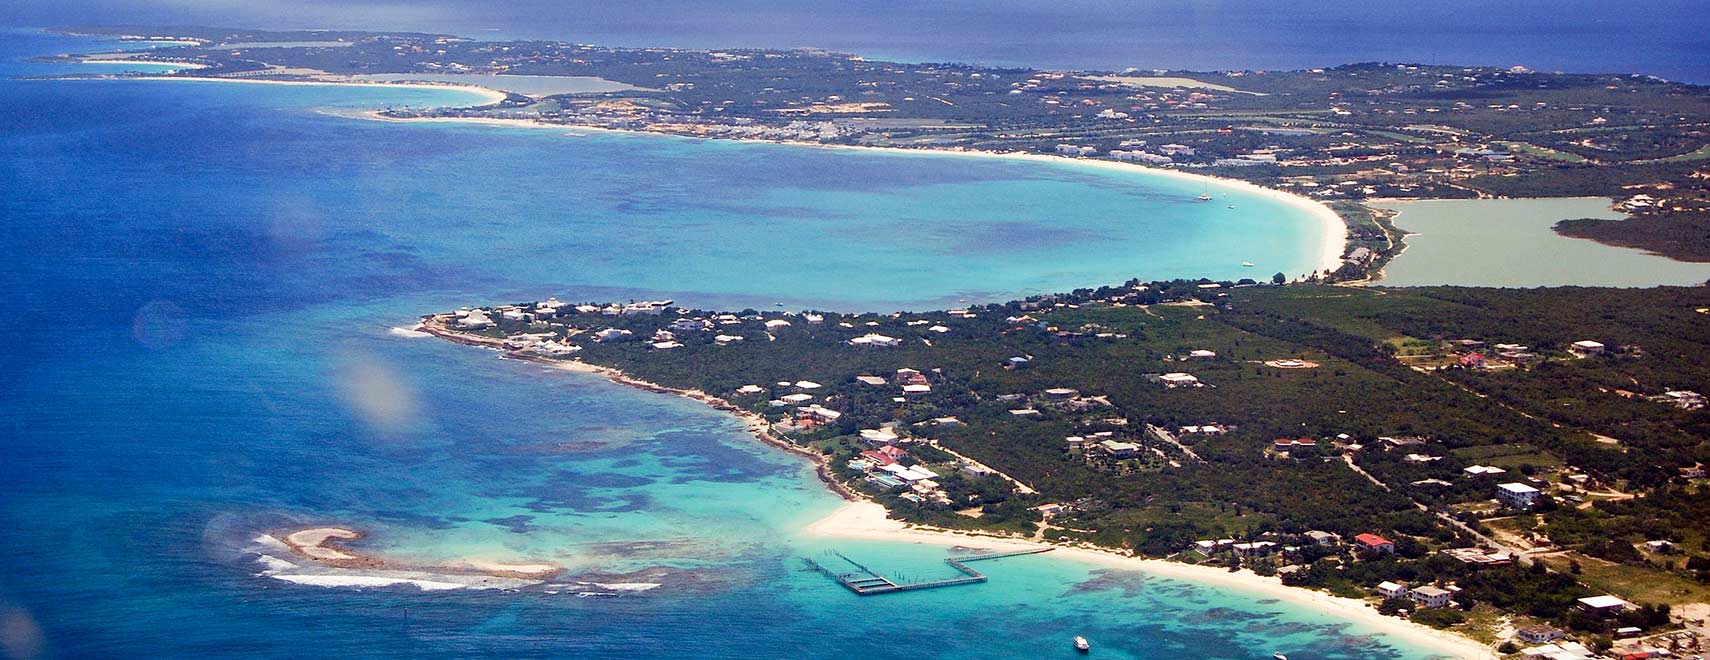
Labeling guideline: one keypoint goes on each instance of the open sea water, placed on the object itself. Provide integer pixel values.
(197, 349)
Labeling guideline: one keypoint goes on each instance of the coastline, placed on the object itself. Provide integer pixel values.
(867, 520)
(860, 517)
(1332, 244)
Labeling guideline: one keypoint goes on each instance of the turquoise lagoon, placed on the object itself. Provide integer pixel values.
(1511, 243)
(199, 350)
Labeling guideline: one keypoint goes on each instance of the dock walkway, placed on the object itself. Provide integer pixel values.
(868, 582)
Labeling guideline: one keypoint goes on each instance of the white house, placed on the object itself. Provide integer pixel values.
(475, 319)
(1255, 549)
(879, 436)
(1603, 605)
(1586, 347)
(1430, 596)
(1178, 379)
(875, 340)
(1391, 591)
(612, 334)
(1517, 495)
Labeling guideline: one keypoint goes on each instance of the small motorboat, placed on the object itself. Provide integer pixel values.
(1246, 264)
(1081, 644)
(1278, 656)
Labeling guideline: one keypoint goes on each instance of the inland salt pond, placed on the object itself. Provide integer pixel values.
(1511, 243)
(236, 257)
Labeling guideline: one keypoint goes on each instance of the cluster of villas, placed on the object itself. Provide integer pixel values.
(1135, 151)
(883, 468)
(1551, 643)
(1476, 354)
(1425, 596)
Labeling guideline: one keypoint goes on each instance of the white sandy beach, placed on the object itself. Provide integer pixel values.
(1332, 244)
(868, 521)
(180, 65)
(313, 542)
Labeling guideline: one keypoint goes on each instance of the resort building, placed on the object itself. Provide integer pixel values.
(1517, 495)
(1430, 596)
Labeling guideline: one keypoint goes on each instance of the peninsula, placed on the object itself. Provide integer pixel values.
(1338, 135)
(1482, 460)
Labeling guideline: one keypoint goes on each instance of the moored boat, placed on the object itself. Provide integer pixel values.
(1081, 644)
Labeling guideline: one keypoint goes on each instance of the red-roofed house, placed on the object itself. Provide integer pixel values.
(1473, 360)
(878, 458)
(1303, 445)
(893, 451)
(1374, 542)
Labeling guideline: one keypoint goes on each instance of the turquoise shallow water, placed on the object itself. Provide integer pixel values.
(1511, 243)
(198, 351)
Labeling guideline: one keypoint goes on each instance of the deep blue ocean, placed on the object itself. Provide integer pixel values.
(202, 282)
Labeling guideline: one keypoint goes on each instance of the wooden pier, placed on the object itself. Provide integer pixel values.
(868, 582)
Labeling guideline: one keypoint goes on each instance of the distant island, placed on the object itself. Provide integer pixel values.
(1337, 135)
(1476, 459)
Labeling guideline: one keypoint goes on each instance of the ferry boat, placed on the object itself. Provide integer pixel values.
(1081, 644)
